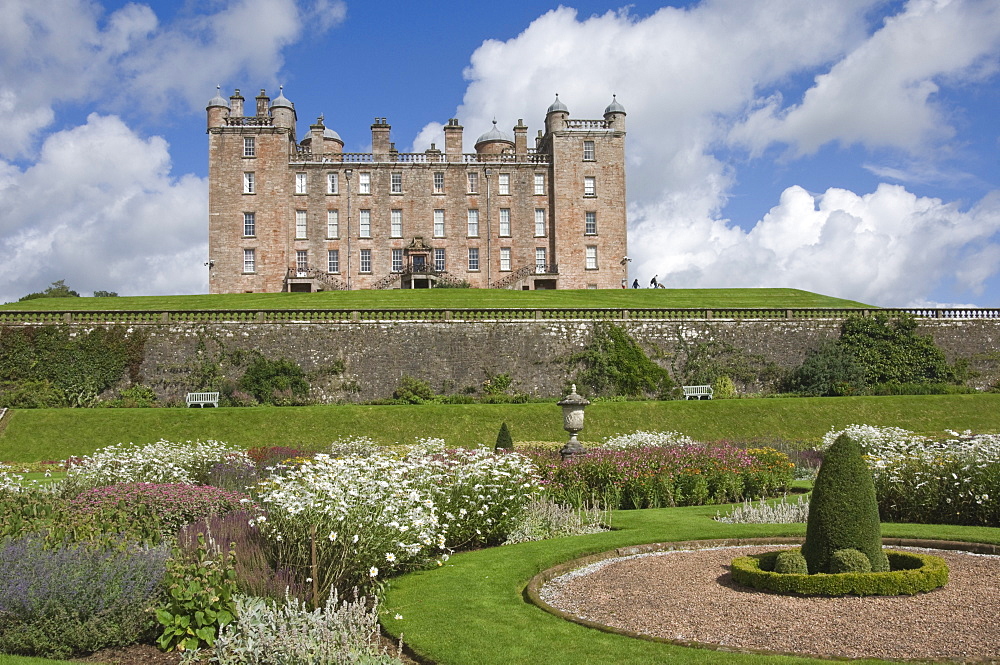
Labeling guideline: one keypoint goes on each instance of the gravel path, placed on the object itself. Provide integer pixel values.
(689, 595)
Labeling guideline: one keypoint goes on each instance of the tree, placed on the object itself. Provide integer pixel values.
(105, 294)
(504, 441)
(57, 289)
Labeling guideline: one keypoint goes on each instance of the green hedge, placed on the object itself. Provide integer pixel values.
(911, 573)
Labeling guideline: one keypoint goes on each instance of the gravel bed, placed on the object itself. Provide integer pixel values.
(689, 595)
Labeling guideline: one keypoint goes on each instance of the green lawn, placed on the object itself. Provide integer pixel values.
(452, 299)
(44, 434)
(473, 611)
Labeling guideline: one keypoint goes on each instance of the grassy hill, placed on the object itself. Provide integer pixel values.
(38, 434)
(454, 299)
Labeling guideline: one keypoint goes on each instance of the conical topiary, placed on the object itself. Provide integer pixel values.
(504, 442)
(843, 512)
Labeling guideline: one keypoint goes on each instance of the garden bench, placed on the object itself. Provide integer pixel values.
(202, 399)
(698, 392)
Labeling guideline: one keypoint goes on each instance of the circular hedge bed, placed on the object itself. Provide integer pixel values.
(909, 573)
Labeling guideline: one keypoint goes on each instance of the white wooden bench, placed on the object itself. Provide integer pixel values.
(202, 399)
(698, 392)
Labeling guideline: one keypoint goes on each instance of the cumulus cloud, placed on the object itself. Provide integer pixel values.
(721, 75)
(100, 210)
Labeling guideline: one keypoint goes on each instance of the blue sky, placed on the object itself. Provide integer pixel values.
(849, 148)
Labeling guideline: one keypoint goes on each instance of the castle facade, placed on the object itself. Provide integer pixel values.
(290, 215)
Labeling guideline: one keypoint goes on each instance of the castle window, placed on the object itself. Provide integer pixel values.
(248, 183)
(300, 183)
(396, 223)
(473, 222)
(366, 260)
(439, 223)
(396, 183)
(503, 183)
(473, 258)
(588, 151)
(365, 224)
(332, 223)
(439, 258)
(333, 260)
(332, 183)
(540, 263)
(397, 260)
(590, 224)
(249, 146)
(300, 224)
(301, 262)
(505, 258)
(364, 183)
(249, 224)
(539, 222)
(505, 222)
(591, 257)
(590, 186)
(249, 260)
(438, 182)
(473, 182)
(539, 183)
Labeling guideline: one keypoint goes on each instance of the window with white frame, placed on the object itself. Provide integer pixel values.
(505, 222)
(588, 151)
(473, 258)
(591, 257)
(332, 223)
(332, 183)
(505, 258)
(438, 182)
(300, 183)
(248, 183)
(473, 182)
(590, 223)
(473, 222)
(301, 261)
(249, 224)
(439, 223)
(397, 260)
(539, 222)
(439, 258)
(503, 183)
(539, 183)
(366, 260)
(364, 183)
(365, 224)
(396, 183)
(590, 186)
(540, 259)
(249, 146)
(300, 224)
(333, 260)
(249, 260)
(396, 223)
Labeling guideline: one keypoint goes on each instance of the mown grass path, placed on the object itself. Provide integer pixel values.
(472, 611)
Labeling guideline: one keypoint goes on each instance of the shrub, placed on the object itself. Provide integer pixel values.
(791, 562)
(338, 633)
(273, 381)
(723, 388)
(32, 394)
(133, 397)
(543, 518)
(413, 391)
(829, 371)
(781, 512)
(843, 512)
(74, 600)
(848, 561)
(504, 442)
(236, 474)
(614, 364)
(910, 573)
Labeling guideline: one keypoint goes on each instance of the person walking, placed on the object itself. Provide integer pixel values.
(635, 284)
(652, 282)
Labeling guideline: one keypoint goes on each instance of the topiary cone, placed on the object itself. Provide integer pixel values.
(504, 442)
(843, 511)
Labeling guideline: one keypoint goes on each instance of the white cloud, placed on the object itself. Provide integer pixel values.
(100, 210)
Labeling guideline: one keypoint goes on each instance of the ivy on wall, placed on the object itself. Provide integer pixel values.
(615, 365)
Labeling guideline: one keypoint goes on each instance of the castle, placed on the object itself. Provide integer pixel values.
(290, 215)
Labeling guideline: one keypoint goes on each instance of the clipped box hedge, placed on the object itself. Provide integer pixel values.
(910, 573)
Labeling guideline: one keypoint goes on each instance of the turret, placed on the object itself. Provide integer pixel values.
(453, 140)
(217, 109)
(494, 142)
(283, 111)
(380, 140)
(555, 116)
(614, 115)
